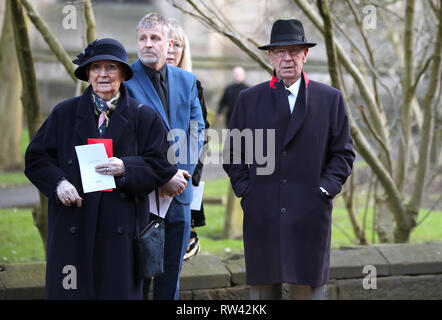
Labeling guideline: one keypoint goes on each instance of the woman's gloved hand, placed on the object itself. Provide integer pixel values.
(67, 194)
(114, 167)
(176, 185)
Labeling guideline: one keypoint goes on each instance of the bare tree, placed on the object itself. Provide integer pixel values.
(387, 143)
(30, 94)
(10, 106)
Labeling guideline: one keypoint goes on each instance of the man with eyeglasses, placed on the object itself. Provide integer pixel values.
(287, 214)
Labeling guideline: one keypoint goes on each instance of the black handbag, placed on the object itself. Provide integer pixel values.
(149, 247)
(149, 243)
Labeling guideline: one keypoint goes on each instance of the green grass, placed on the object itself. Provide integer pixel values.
(24, 141)
(21, 242)
(12, 179)
(16, 178)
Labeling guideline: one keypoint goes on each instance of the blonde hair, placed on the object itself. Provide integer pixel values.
(177, 33)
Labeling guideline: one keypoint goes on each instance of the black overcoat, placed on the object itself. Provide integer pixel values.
(287, 219)
(96, 239)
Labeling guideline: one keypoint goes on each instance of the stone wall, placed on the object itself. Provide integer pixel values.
(403, 271)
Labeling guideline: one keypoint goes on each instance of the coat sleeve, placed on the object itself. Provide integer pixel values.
(151, 168)
(234, 163)
(41, 157)
(340, 155)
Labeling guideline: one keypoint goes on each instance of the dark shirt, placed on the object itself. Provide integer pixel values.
(164, 82)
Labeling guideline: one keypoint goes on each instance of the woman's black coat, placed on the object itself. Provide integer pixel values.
(90, 249)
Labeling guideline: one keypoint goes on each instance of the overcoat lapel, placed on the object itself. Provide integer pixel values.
(149, 91)
(299, 112)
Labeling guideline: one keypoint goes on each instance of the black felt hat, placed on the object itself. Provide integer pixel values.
(102, 49)
(287, 33)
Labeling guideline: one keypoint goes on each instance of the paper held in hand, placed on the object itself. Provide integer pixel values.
(164, 203)
(88, 157)
(197, 196)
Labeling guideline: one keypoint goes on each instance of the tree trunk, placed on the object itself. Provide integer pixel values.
(348, 195)
(384, 223)
(10, 107)
(30, 96)
(233, 217)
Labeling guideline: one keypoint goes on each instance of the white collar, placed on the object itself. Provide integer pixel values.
(294, 88)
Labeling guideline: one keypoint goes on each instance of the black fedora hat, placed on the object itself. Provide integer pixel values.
(102, 49)
(287, 33)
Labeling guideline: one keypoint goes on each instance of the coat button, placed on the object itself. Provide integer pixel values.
(284, 181)
(120, 230)
(284, 153)
(283, 210)
(122, 195)
(73, 230)
(69, 162)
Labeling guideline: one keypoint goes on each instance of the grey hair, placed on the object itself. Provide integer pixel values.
(177, 33)
(154, 19)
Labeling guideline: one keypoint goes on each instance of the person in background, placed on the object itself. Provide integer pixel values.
(90, 253)
(179, 56)
(231, 93)
(172, 92)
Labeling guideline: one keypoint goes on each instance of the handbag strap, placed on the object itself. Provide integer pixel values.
(137, 200)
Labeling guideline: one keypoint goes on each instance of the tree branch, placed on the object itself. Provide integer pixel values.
(408, 93)
(378, 139)
(393, 195)
(207, 21)
(91, 31)
(377, 116)
(50, 39)
(428, 124)
(359, 24)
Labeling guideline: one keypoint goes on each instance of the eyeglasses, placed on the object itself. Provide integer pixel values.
(110, 68)
(293, 52)
(178, 46)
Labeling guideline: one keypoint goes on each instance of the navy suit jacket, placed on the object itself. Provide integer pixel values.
(184, 112)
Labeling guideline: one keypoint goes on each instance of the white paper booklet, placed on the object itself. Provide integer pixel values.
(88, 157)
(164, 203)
(197, 196)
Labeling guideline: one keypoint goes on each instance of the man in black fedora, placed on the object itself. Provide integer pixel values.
(287, 213)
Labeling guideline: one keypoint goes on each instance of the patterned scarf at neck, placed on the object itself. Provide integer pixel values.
(102, 110)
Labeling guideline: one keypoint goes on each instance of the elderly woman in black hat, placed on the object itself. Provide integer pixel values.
(90, 235)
